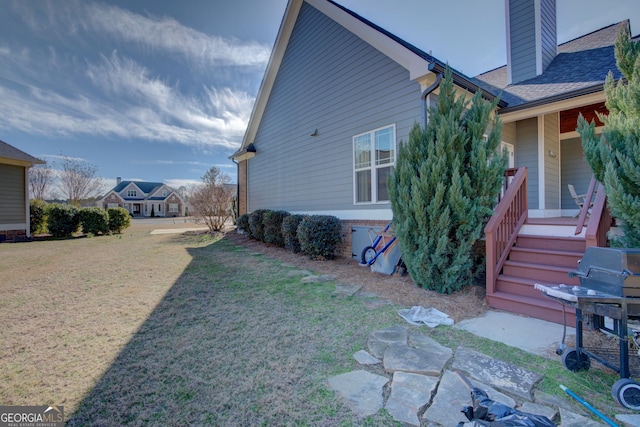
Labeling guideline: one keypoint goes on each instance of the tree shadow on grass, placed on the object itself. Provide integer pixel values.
(237, 340)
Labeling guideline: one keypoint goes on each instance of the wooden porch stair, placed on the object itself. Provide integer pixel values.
(537, 259)
(519, 255)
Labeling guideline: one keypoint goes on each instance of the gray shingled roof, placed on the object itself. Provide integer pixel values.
(581, 64)
(10, 152)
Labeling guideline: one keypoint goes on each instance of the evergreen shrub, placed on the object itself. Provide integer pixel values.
(445, 184)
(62, 220)
(272, 222)
(320, 236)
(614, 156)
(119, 219)
(243, 224)
(255, 224)
(290, 232)
(94, 220)
(37, 216)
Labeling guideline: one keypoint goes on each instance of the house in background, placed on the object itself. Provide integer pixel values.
(141, 198)
(14, 193)
(340, 93)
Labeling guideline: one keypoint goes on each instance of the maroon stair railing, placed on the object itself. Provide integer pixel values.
(502, 229)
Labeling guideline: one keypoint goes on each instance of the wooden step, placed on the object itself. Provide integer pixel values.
(548, 310)
(569, 244)
(546, 256)
(520, 286)
(539, 272)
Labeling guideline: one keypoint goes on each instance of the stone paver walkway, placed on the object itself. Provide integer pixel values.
(426, 391)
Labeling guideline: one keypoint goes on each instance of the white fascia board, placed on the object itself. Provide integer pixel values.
(362, 214)
(416, 65)
(552, 107)
(17, 226)
(541, 163)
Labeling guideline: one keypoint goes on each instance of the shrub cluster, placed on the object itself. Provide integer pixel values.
(38, 216)
(272, 222)
(119, 219)
(64, 220)
(94, 220)
(243, 223)
(290, 232)
(255, 224)
(318, 236)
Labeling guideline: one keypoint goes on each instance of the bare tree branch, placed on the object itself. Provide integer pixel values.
(78, 180)
(41, 179)
(211, 200)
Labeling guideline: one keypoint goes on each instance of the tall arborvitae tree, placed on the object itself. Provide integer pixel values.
(614, 157)
(445, 184)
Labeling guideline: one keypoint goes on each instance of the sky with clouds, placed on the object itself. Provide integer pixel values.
(163, 90)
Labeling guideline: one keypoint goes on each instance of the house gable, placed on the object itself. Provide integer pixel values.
(422, 67)
(331, 81)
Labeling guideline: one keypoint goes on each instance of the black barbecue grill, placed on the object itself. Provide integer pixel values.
(609, 288)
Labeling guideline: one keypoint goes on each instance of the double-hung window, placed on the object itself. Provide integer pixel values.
(374, 156)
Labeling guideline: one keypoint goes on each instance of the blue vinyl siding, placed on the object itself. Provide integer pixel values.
(522, 40)
(549, 41)
(332, 81)
(575, 171)
(12, 194)
(527, 155)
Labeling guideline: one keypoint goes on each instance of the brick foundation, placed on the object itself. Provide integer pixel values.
(12, 236)
(345, 250)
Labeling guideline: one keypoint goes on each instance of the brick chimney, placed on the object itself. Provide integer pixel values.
(531, 37)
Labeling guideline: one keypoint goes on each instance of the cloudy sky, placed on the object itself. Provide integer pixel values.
(163, 90)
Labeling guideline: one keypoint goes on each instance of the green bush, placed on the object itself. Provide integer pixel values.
(62, 220)
(243, 224)
(255, 224)
(94, 220)
(37, 216)
(320, 236)
(119, 219)
(290, 232)
(272, 222)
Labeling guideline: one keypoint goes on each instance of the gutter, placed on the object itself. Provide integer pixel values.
(426, 93)
(554, 98)
(465, 83)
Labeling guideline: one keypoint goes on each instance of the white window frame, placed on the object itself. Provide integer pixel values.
(112, 205)
(132, 193)
(373, 167)
(173, 207)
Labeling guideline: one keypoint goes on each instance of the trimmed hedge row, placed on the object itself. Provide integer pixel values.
(64, 220)
(318, 236)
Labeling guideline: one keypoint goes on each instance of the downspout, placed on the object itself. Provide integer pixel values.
(237, 186)
(426, 93)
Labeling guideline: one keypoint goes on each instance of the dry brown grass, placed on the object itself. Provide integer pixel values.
(174, 330)
(141, 329)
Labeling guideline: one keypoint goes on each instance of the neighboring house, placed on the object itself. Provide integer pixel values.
(14, 193)
(340, 93)
(142, 198)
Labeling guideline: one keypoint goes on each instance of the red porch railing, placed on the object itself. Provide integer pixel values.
(503, 227)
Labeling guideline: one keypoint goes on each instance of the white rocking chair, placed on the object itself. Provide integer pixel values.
(580, 200)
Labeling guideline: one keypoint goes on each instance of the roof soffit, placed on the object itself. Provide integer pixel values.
(552, 107)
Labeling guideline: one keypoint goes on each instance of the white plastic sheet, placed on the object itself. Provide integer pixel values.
(431, 317)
